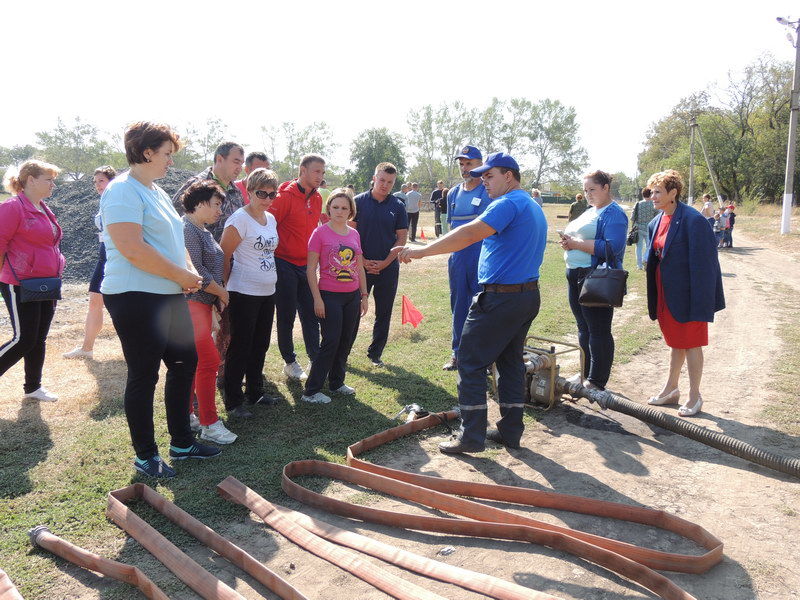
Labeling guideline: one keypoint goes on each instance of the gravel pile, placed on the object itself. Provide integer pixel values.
(75, 205)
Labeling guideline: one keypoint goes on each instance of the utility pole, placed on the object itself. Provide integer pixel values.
(794, 104)
(693, 124)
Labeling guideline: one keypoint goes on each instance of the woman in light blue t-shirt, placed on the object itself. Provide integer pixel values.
(599, 231)
(147, 272)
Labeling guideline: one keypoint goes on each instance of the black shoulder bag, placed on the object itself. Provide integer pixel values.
(605, 286)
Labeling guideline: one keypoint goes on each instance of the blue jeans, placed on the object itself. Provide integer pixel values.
(641, 246)
(494, 332)
(339, 328)
(293, 296)
(594, 331)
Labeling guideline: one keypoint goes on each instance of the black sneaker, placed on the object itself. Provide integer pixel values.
(154, 467)
(377, 362)
(196, 450)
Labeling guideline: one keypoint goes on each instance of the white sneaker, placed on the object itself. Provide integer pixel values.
(318, 398)
(79, 353)
(345, 389)
(218, 433)
(42, 394)
(294, 371)
(194, 422)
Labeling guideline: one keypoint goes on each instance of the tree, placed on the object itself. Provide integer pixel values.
(202, 141)
(554, 142)
(371, 147)
(16, 154)
(77, 149)
(295, 142)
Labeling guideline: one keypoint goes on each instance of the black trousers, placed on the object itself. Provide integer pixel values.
(594, 331)
(495, 332)
(292, 297)
(251, 327)
(384, 289)
(413, 219)
(153, 328)
(339, 328)
(30, 324)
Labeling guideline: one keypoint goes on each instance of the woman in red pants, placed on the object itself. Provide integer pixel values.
(202, 201)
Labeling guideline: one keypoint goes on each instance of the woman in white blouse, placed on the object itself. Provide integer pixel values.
(249, 241)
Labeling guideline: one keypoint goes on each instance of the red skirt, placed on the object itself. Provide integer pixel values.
(678, 335)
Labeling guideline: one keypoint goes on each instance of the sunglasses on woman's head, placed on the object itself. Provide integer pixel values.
(264, 195)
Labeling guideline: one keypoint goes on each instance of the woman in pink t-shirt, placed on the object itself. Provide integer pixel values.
(340, 294)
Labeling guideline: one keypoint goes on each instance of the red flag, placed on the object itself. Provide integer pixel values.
(410, 313)
(422, 234)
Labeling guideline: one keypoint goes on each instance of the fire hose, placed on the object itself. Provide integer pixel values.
(720, 441)
(187, 570)
(7, 589)
(631, 561)
(42, 537)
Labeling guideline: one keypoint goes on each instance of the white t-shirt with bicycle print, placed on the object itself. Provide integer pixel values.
(253, 271)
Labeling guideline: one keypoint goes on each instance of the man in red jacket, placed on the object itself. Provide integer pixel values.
(297, 209)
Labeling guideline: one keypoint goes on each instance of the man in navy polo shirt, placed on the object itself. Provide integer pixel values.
(513, 229)
(466, 202)
(382, 223)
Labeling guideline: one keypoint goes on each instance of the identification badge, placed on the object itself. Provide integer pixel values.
(476, 201)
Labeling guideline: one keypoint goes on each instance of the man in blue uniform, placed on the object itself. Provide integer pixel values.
(465, 202)
(513, 229)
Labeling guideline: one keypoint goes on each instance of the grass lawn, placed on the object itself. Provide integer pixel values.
(57, 462)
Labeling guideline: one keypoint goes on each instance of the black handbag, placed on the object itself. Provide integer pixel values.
(633, 237)
(38, 289)
(605, 286)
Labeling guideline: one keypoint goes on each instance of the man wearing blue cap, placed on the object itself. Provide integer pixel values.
(465, 202)
(513, 229)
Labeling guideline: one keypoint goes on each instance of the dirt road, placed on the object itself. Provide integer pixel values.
(578, 449)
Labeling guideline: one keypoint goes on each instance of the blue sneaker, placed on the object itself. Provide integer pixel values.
(196, 450)
(154, 467)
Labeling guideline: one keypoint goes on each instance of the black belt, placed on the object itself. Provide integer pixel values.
(510, 288)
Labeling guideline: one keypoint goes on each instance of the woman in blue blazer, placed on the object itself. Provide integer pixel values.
(599, 231)
(684, 286)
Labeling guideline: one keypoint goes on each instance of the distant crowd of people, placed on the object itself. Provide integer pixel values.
(195, 281)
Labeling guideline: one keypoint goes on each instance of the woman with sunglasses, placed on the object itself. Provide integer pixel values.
(249, 239)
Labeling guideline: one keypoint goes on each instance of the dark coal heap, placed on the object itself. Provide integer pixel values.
(75, 205)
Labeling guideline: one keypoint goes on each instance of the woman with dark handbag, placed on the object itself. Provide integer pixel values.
(586, 240)
(30, 238)
(684, 286)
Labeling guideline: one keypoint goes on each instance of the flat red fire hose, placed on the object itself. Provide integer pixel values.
(7, 589)
(626, 559)
(42, 537)
(192, 574)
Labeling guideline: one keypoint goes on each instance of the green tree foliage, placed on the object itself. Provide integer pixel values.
(77, 148)
(371, 147)
(542, 135)
(745, 134)
(295, 142)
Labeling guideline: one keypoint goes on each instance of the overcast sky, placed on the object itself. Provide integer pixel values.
(355, 65)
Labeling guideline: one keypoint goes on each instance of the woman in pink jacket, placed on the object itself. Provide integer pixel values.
(30, 240)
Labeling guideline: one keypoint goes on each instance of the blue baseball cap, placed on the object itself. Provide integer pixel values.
(470, 152)
(497, 159)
